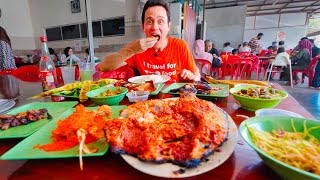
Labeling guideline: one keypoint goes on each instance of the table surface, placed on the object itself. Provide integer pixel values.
(244, 163)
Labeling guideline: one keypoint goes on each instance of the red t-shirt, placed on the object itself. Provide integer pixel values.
(175, 57)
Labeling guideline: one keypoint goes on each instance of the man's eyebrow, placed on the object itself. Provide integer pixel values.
(150, 17)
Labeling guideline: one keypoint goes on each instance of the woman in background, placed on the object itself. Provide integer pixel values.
(69, 55)
(198, 52)
(300, 61)
(53, 55)
(6, 55)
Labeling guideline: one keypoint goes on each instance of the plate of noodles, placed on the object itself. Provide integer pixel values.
(288, 145)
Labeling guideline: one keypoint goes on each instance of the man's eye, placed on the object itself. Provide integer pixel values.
(149, 22)
(160, 21)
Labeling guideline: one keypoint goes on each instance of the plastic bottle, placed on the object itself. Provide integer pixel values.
(47, 68)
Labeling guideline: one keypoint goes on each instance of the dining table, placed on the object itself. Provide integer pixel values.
(244, 162)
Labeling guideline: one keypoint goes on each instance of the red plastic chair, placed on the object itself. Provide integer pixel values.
(27, 73)
(240, 68)
(264, 52)
(309, 71)
(225, 53)
(244, 54)
(123, 72)
(201, 64)
(7, 71)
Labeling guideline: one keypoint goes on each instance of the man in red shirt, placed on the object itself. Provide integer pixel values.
(157, 53)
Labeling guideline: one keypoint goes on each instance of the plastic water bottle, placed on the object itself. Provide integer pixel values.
(47, 68)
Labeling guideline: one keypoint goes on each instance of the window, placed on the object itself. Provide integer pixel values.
(96, 28)
(101, 28)
(113, 27)
(54, 34)
(71, 32)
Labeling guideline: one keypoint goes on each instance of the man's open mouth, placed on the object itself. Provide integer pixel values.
(156, 36)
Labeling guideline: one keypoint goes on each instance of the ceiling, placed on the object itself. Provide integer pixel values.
(266, 7)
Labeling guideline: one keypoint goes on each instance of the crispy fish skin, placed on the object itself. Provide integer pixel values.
(183, 131)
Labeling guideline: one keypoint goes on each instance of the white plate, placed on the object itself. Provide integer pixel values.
(167, 169)
(7, 106)
(157, 79)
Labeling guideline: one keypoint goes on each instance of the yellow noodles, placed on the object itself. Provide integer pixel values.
(298, 149)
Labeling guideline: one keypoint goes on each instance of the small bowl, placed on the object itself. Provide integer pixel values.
(137, 96)
(276, 112)
(253, 104)
(269, 123)
(109, 100)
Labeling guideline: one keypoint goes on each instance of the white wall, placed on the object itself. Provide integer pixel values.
(294, 25)
(16, 20)
(226, 24)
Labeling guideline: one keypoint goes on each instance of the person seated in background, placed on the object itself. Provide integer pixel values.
(281, 44)
(296, 49)
(234, 52)
(300, 61)
(316, 78)
(69, 56)
(6, 55)
(210, 48)
(274, 48)
(226, 48)
(157, 53)
(96, 60)
(54, 56)
(198, 52)
(315, 49)
(245, 47)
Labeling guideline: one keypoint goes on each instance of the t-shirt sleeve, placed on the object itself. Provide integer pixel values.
(130, 61)
(189, 62)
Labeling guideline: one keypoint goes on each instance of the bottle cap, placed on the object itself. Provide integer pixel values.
(44, 58)
(43, 39)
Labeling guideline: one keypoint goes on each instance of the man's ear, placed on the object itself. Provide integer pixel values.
(169, 24)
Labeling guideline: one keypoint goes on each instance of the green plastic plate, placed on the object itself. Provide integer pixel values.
(269, 123)
(54, 108)
(159, 87)
(224, 92)
(24, 150)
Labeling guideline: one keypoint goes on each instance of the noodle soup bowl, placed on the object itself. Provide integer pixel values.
(269, 123)
(108, 100)
(253, 104)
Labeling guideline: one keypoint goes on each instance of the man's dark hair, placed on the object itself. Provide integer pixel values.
(281, 43)
(226, 44)
(312, 41)
(234, 51)
(260, 34)
(304, 38)
(151, 3)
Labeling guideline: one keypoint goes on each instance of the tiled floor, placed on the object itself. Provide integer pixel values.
(309, 98)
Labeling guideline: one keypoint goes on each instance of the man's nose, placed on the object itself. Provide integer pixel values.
(155, 26)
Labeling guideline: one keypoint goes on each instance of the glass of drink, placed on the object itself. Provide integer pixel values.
(68, 74)
(86, 71)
